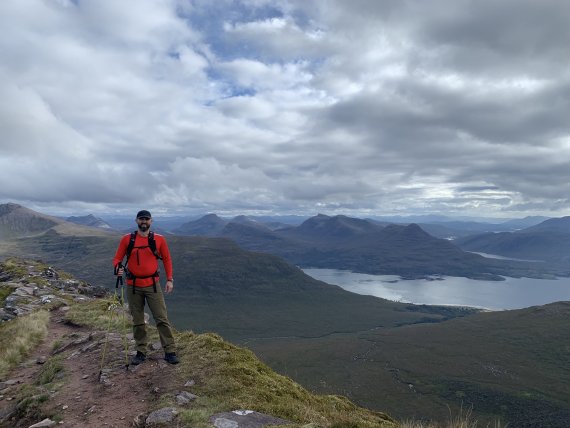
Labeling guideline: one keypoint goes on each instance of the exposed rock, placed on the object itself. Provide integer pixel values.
(139, 421)
(104, 377)
(41, 287)
(92, 290)
(225, 423)
(47, 298)
(9, 382)
(26, 290)
(79, 341)
(161, 417)
(6, 316)
(184, 398)
(51, 273)
(45, 423)
(245, 419)
(13, 300)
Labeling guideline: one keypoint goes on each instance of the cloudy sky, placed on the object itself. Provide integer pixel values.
(360, 107)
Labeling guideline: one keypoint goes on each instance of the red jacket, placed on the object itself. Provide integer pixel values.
(142, 261)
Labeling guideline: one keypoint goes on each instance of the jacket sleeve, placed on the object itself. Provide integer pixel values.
(165, 254)
(121, 251)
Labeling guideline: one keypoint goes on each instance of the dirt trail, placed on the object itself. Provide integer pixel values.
(86, 400)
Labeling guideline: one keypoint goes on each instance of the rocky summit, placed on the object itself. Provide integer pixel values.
(28, 286)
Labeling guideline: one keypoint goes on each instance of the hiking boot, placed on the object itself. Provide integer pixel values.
(171, 357)
(137, 359)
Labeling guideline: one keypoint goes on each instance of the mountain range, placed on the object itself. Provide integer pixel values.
(362, 245)
(547, 241)
(341, 242)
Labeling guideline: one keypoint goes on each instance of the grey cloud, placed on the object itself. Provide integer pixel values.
(494, 36)
(287, 106)
(476, 188)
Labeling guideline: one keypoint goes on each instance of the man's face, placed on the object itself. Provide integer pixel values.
(144, 223)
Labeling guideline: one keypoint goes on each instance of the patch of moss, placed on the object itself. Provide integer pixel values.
(100, 314)
(14, 267)
(50, 370)
(5, 291)
(30, 399)
(39, 281)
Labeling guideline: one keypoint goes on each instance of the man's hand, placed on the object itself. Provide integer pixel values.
(169, 287)
(120, 271)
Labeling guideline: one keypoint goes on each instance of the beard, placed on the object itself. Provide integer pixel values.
(143, 227)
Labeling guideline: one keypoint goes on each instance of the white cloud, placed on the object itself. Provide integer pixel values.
(286, 105)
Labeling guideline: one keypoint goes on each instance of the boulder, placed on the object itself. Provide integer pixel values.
(245, 419)
(162, 417)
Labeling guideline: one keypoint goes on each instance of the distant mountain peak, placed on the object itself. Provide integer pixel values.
(335, 228)
(243, 219)
(19, 221)
(555, 225)
(89, 220)
(8, 208)
(211, 216)
(413, 227)
(208, 225)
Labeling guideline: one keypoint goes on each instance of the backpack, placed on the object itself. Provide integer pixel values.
(152, 246)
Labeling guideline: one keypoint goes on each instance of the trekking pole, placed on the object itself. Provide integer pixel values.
(119, 281)
(111, 307)
(125, 341)
(122, 303)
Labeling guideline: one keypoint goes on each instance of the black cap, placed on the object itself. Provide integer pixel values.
(143, 213)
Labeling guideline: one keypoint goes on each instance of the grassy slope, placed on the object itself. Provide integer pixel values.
(514, 365)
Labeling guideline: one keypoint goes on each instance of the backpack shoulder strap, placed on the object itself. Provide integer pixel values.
(152, 245)
(131, 244)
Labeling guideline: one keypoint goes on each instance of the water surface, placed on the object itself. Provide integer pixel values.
(513, 293)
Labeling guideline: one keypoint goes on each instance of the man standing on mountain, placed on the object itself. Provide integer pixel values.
(143, 249)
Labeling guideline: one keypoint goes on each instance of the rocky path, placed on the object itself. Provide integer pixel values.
(115, 399)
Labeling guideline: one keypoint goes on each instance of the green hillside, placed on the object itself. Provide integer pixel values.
(510, 365)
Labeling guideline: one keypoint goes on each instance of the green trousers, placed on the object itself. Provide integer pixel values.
(157, 308)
